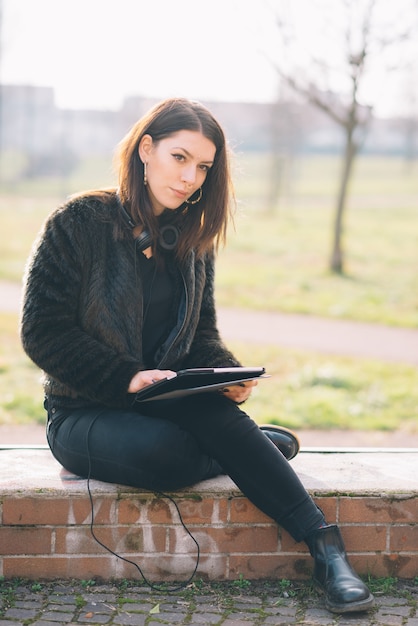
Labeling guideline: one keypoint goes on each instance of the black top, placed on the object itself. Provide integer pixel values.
(158, 306)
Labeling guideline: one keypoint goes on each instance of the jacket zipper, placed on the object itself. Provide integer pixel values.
(183, 322)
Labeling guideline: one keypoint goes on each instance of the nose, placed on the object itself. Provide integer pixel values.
(189, 175)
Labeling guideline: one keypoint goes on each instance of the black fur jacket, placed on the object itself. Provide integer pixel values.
(81, 321)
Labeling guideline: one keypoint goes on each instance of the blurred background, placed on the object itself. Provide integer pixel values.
(319, 101)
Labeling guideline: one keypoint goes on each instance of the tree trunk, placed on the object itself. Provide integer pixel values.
(275, 182)
(337, 255)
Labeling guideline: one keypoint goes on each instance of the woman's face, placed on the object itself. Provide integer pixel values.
(176, 167)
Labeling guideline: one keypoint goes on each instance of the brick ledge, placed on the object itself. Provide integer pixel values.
(45, 521)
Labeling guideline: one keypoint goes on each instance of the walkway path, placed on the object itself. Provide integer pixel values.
(306, 332)
(356, 339)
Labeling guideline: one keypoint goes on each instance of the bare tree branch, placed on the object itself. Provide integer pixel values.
(359, 42)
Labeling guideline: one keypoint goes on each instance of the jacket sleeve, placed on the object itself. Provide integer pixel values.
(208, 348)
(51, 332)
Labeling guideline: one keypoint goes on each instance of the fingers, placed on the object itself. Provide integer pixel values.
(157, 375)
(239, 392)
(148, 377)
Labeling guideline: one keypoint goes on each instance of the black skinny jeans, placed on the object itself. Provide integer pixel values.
(166, 445)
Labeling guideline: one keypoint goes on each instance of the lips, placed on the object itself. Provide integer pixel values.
(180, 194)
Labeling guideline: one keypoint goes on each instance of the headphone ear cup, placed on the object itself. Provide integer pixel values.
(168, 239)
(143, 241)
(169, 236)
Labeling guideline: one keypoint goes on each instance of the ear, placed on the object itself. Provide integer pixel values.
(145, 148)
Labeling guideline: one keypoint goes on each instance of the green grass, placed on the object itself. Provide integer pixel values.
(305, 390)
(25, 206)
(280, 264)
(20, 220)
(314, 391)
(21, 394)
(276, 260)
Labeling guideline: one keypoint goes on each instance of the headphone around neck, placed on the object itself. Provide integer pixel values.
(168, 236)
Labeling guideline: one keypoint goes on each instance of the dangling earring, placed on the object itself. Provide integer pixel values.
(145, 174)
(197, 199)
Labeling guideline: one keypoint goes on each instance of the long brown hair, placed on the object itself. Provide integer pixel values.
(202, 225)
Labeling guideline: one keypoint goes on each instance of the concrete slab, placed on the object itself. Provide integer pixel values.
(322, 472)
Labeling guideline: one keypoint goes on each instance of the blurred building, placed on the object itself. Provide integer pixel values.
(31, 122)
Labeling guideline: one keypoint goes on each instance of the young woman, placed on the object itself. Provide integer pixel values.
(120, 294)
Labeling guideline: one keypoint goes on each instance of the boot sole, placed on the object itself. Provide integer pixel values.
(352, 607)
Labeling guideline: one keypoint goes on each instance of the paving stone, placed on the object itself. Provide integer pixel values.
(281, 620)
(45, 623)
(63, 600)
(99, 618)
(130, 619)
(20, 613)
(320, 617)
(171, 617)
(58, 616)
(353, 619)
(28, 604)
(205, 618)
(56, 604)
(251, 602)
(142, 607)
(390, 620)
(238, 621)
(284, 611)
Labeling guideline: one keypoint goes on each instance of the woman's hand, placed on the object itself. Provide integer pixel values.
(148, 377)
(240, 392)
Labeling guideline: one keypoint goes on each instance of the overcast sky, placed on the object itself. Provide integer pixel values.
(96, 52)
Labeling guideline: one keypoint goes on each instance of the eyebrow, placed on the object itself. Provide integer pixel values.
(191, 155)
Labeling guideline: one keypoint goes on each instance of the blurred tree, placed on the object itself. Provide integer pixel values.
(338, 57)
(286, 129)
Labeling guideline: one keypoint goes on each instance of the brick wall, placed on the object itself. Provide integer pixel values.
(45, 525)
(49, 537)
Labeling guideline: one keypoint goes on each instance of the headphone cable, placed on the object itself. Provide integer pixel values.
(181, 585)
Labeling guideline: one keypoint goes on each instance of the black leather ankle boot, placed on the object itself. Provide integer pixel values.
(344, 591)
(283, 438)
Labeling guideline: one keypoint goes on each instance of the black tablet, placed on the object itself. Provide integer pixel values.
(198, 380)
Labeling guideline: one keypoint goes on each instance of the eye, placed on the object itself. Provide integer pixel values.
(204, 168)
(179, 157)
